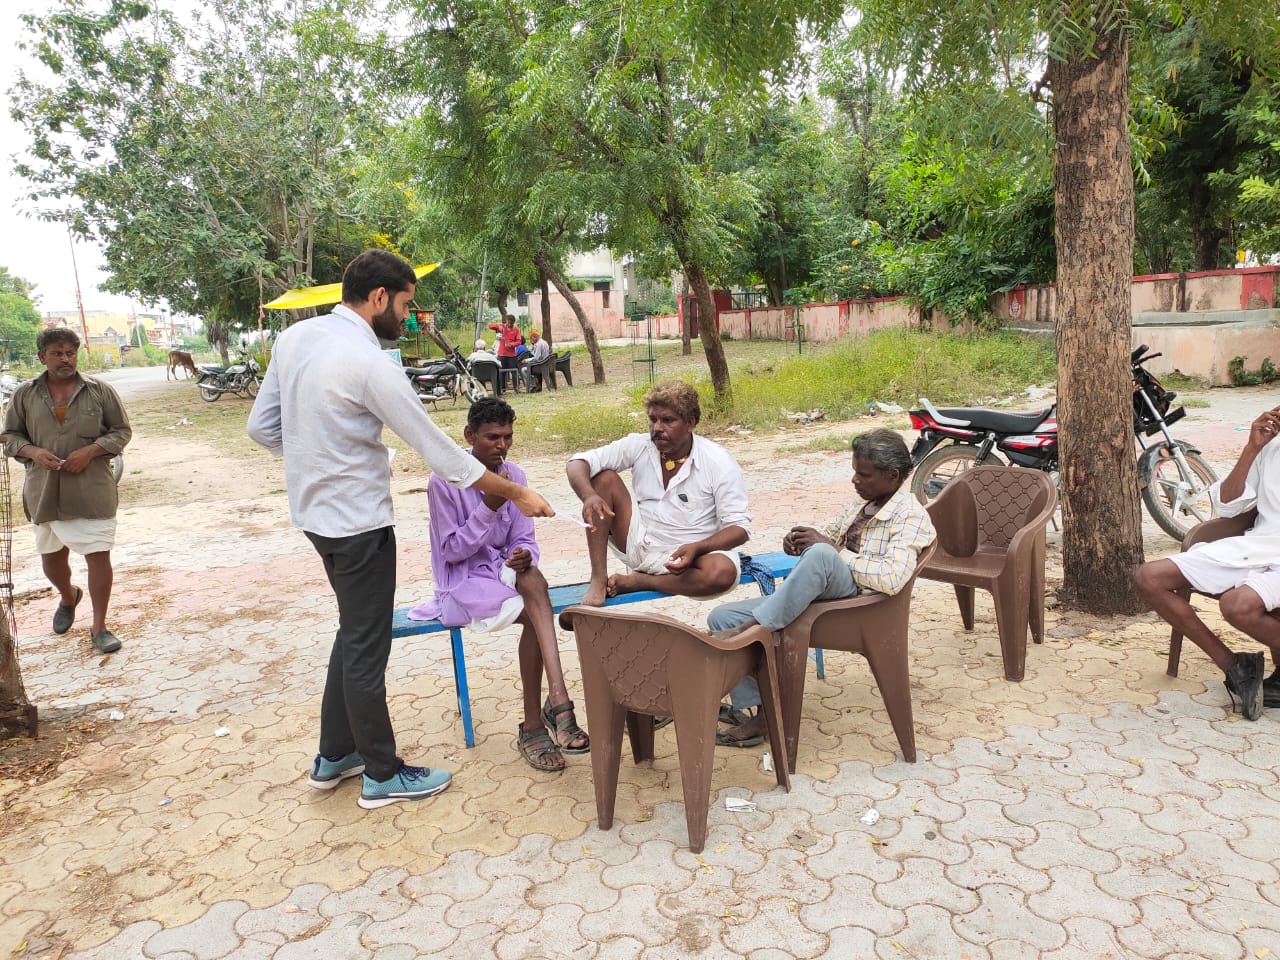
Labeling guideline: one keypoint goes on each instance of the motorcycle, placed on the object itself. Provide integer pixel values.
(1173, 477)
(446, 378)
(241, 378)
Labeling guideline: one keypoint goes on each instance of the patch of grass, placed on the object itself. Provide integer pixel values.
(1180, 381)
(1192, 402)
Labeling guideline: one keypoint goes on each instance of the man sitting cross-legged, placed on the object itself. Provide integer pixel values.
(679, 531)
(872, 546)
(1244, 571)
(484, 560)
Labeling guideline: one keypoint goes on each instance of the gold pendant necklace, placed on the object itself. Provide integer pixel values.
(672, 464)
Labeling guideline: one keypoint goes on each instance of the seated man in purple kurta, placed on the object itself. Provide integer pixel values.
(485, 563)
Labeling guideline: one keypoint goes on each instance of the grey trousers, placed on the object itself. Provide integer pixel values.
(820, 574)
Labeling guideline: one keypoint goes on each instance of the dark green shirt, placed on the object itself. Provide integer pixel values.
(94, 415)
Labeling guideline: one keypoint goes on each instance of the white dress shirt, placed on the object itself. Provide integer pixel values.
(706, 495)
(327, 394)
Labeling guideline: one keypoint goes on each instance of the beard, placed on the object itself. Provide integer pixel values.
(386, 325)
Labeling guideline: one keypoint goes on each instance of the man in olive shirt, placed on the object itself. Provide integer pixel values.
(65, 428)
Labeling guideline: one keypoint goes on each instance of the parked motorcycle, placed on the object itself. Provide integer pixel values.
(241, 378)
(1173, 477)
(447, 378)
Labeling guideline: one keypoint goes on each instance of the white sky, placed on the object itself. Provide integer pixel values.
(37, 251)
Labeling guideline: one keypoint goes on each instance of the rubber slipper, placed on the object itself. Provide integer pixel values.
(65, 615)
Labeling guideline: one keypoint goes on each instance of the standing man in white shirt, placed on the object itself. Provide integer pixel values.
(679, 532)
(1244, 571)
(328, 392)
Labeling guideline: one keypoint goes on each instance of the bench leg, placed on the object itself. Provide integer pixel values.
(460, 685)
(816, 653)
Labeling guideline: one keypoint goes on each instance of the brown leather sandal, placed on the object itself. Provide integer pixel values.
(571, 737)
(538, 750)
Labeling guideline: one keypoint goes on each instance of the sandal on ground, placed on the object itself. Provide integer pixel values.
(571, 737)
(538, 750)
(732, 738)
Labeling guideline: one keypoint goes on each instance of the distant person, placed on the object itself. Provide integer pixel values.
(509, 337)
(679, 531)
(538, 352)
(873, 546)
(327, 395)
(484, 560)
(64, 428)
(481, 352)
(1243, 571)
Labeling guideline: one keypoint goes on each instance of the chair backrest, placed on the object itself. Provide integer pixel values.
(486, 371)
(1219, 528)
(541, 366)
(1006, 499)
(637, 653)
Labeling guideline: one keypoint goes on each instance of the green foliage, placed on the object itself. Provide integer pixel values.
(19, 318)
(1241, 377)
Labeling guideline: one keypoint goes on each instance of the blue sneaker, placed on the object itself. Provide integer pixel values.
(327, 774)
(409, 783)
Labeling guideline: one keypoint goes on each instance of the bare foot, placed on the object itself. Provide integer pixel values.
(622, 583)
(595, 595)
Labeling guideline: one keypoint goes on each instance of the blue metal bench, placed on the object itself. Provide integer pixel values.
(778, 564)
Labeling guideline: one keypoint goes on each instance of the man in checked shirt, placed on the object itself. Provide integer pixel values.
(871, 547)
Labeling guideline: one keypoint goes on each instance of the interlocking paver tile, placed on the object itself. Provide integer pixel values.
(1167, 927)
(422, 927)
(339, 938)
(926, 881)
(554, 934)
(1002, 914)
(928, 931)
(208, 938)
(1072, 892)
(1059, 843)
(852, 902)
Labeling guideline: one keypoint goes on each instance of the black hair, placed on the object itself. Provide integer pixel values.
(54, 335)
(373, 269)
(885, 450)
(490, 410)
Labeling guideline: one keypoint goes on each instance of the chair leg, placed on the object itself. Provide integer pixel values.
(1035, 610)
(792, 667)
(892, 673)
(606, 759)
(640, 733)
(1175, 642)
(964, 598)
(767, 680)
(1011, 622)
(695, 724)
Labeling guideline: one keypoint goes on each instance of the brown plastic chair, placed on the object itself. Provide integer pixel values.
(636, 666)
(991, 534)
(544, 372)
(1218, 528)
(874, 625)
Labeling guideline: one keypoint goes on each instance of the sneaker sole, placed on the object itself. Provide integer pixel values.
(333, 782)
(372, 803)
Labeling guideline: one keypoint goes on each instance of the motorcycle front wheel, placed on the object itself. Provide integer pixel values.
(209, 394)
(944, 465)
(1177, 503)
(251, 388)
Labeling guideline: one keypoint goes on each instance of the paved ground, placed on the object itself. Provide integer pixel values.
(1097, 809)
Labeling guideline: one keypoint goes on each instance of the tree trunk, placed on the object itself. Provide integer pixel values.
(500, 296)
(1206, 236)
(17, 714)
(1093, 191)
(544, 307)
(709, 333)
(543, 263)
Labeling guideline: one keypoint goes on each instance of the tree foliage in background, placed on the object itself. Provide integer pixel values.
(209, 158)
(19, 318)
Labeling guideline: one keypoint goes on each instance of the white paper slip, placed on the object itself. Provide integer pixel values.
(738, 805)
(569, 518)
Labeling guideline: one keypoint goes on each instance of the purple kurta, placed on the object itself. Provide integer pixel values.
(470, 545)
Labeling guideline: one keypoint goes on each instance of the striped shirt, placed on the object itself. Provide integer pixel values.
(891, 541)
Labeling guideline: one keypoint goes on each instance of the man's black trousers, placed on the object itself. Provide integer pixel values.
(354, 716)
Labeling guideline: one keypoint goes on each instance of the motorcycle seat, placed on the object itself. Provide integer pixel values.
(980, 418)
(434, 370)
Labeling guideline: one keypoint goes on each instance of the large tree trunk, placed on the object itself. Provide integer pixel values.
(543, 263)
(1093, 191)
(709, 333)
(1206, 236)
(544, 284)
(17, 715)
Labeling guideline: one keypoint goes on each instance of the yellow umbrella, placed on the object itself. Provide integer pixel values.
(324, 294)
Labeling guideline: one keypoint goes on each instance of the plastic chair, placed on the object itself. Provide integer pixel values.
(486, 371)
(543, 371)
(874, 625)
(562, 367)
(635, 666)
(991, 528)
(1218, 528)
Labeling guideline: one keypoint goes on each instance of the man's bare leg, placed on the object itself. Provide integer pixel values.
(537, 618)
(1243, 609)
(57, 570)
(1158, 582)
(613, 491)
(100, 581)
(709, 576)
